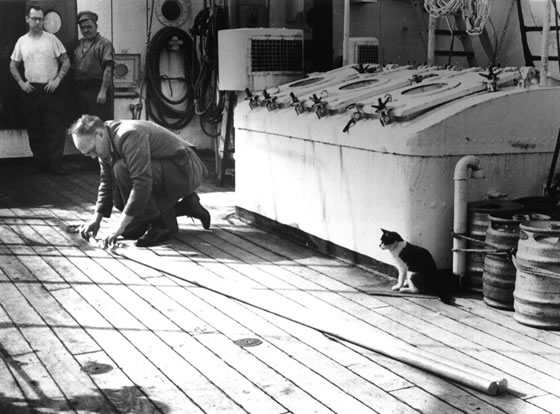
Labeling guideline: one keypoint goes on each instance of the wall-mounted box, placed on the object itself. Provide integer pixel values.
(126, 71)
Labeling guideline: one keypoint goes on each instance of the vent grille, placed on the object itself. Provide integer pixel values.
(368, 54)
(276, 55)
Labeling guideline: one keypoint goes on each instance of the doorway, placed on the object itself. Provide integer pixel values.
(60, 19)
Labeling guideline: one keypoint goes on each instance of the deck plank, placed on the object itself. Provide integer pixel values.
(421, 400)
(315, 358)
(170, 345)
(127, 356)
(330, 267)
(179, 355)
(524, 376)
(76, 389)
(11, 396)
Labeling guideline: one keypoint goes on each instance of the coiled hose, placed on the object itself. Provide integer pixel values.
(209, 101)
(168, 112)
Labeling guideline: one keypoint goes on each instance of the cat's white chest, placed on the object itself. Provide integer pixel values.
(399, 263)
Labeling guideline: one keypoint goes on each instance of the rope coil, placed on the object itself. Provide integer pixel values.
(439, 8)
(474, 12)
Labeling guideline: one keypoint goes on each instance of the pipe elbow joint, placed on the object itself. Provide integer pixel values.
(468, 162)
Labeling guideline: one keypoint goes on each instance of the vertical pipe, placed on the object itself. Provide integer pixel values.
(267, 2)
(462, 174)
(112, 23)
(553, 165)
(431, 40)
(459, 227)
(544, 44)
(346, 34)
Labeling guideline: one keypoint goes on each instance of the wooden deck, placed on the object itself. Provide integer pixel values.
(85, 331)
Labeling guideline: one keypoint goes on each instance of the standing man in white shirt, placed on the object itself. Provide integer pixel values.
(45, 64)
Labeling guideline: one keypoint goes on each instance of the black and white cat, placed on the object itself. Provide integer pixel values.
(418, 272)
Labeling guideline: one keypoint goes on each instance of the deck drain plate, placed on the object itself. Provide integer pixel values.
(245, 342)
(95, 368)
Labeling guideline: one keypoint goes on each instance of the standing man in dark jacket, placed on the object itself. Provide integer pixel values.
(93, 69)
(146, 172)
(45, 64)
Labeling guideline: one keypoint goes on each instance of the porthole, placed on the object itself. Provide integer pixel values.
(121, 70)
(171, 13)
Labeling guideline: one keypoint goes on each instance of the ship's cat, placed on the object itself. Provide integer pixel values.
(417, 269)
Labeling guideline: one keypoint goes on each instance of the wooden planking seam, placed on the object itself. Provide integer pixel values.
(286, 249)
(12, 394)
(107, 340)
(465, 398)
(277, 272)
(274, 357)
(127, 255)
(549, 402)
(243, 252)
(501, 333)
(437, 389)
(456, 317)
(37, 338)
(418, 400)
(524, 377)
(117, 299)
(350, 313)
(505, 319)
(278, 331)
(229, 269)
(309, 283)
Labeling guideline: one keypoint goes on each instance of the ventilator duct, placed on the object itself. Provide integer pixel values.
(259, 58)
(364, 50)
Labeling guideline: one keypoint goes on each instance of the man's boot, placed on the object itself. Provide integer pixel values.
(156, 234)
(190, 206)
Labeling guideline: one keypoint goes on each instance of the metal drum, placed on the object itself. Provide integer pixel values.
(537, 286)
(498, 276)
(478, 213)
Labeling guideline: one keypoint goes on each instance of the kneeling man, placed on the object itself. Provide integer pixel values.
(146, 172)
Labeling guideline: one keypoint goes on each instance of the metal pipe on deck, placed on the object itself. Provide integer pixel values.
(333, 324)
(463, 172)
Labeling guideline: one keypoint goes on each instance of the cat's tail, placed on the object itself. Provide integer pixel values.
(447, 284)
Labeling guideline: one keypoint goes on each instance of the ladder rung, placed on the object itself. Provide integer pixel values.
(535, 57)
(453, 53)
(539, 28)
(449, 33)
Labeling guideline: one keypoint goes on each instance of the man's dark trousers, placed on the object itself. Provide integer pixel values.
(45, 126)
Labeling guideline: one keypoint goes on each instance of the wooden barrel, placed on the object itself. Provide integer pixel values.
(537, 286)
(498, 276)
(477, 224)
